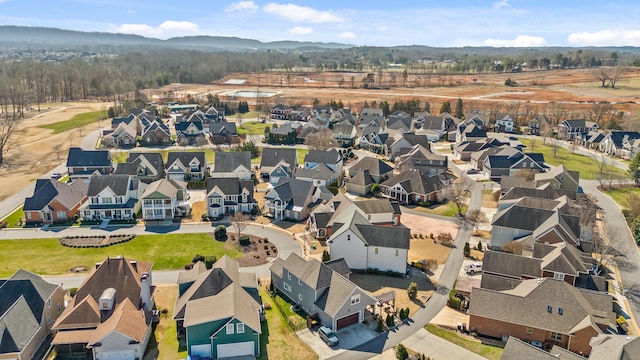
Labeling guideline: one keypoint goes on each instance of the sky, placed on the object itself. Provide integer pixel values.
(498, 23)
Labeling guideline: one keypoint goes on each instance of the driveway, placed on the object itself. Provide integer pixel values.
(349, 337)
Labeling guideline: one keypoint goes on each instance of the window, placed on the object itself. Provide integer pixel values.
(348, 237)
(516, 232)
(549, 308)
(105, 305)
(499, 229)
(287, 287)
(375, 251)
(28, 215)
(288, 275)
(240, 328)
(529, 330)
(61, 214)
(556, 336)
(59, 308)
(397, 252)
(229, 329)
(299, 281)
(48, 319)
(49, 303)
(558, 276)
(300, 297)
(369, 217)
(94, 200)
(355, 299)
(107, 200)
(560, 311)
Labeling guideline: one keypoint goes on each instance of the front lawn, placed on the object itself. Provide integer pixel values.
(252, 128)
(621, 195)
(47, 256)
(14, 218)
(486, 351)
(75, 122)
(587, 166)
(277, 341)
(447, 209)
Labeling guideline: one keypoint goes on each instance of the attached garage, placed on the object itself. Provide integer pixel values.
(118, 355)
(236, 349)
(347, 320)
(201, 350)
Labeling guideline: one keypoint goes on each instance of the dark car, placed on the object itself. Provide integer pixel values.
(328, 336)
(472, 171)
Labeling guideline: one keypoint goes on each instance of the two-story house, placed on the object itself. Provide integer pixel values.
(331, 158)
(420, 158)
(54, 201)
(345, 134)
(186, 165)
(165, 199)
(505, 123)
(144, 166)
(156, 133)
(569, 129)
(190, 133)
(232, 164)
(113, 197)
(277, 163)
(293, 199)
(323, 289)
(279, 112)
(414, 186)
(224, 133)
(229, 195)
(81, 164)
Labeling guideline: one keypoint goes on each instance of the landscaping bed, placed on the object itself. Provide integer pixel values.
(94, 241)
(257, 250)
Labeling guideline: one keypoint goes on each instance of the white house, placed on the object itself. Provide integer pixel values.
(229, 195)
(233, 164)
(112, 197)
(165, 199)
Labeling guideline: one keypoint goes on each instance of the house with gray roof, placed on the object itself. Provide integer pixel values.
(361, 183)
(331, 158)
(466, 149)
(379, 170)
(365, 245)
(112, 197)
(570, 129)
(81, 164)
(537, 124)
(345, 134)
(613, 142)
(53, 201)
(546, 310)
(186, 165)
(232, 164)
(144, 166)
(422, 159)
(319, 175)
(505, 123)
(156, 133)
(165, 199)
(122, 136)
(229, 195)
(293, 199)
(614, 347)
(516, 349)
(277, 163)
(402, 143)
(560, 178)
(470, 132)
(510, 161)
(218, 311)
(413, 186)
(223, 132)
(190, 133)
(28, 308)
(323, 289)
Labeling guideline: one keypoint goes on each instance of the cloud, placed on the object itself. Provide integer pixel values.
(301, 13)
(242, 6)
(611, 37)
(168, 27)
(520, 41)
(300, 30)
(501, 4)
(128, 11)
(382, 28)
(347, 35)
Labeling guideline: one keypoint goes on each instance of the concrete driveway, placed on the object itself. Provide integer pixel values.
(349, 337)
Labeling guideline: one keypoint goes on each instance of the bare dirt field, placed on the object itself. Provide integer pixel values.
(34, 153)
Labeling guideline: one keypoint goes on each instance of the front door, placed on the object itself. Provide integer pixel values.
(107, 214)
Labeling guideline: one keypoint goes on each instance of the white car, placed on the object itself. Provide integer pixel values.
(473, 268)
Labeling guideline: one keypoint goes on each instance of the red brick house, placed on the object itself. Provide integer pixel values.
(54, 201)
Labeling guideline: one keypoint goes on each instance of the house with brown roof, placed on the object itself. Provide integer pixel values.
(54, 201)
(218, 311)
(546, 310)
(110, 315)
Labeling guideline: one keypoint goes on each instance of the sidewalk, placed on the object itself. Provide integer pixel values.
(622, 300)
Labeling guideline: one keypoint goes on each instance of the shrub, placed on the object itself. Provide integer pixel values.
(244, 240)
(267, 306)
(164, 311)
(402, 315)
(197, 258)
(467, 249)
(3, 224)
(380, 327)
(454, 303)
(445, 239)
(389, 320)
(479, 246)
(401, 352)
(209, 261)
(325, 256)
(205, 217)
(73, 291)
(220, 232)
(412, 291)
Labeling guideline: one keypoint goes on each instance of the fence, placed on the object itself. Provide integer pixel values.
(295, 326)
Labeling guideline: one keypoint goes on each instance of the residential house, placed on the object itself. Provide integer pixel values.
(469, 133)
(466, 149)
(300, 114)
(144, 166)
(344, 134)
(293, 199)
(229, 195)
(232, 164)
(113, 197)
(371, 112)
(284, 134)
(402, 143)
(402, 124)
(505, 123)
(614, 347)
(186, 165)
(215, 114)
(511, 161)
(477, 118)
(537, 124)
(367, 246)
(190, 133)
(319, 175)
(279, 112)
(110, 316)
(277, 163)
(413, 186)
(81, 164)
(516, 349)
(54, 201)
(323, 289)
(373, 139)
(123, 136)
(28, 308)
(569, 129)
(435, 124)
(218, 311)
(378, 169)
(613, 142)
(223, 132)
(331, 158)
(560, 178)
(361, 183)
(371, 120)
(165, 199)
(301, 138)
(591, 140)
(421, 159)
(156, 133)
(630, 149)
(556, 313)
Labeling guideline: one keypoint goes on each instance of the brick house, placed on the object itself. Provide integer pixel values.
(54, 201)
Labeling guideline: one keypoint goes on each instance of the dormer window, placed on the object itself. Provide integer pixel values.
(549, 308)
(560, 311)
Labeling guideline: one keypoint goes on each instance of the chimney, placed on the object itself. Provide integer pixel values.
(145, 291)
(107, 299)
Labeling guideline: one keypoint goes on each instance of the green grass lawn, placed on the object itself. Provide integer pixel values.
(301, 154)
(75, 122)
(621, 195)
(47, 256)
(13, 218)
(252, 128)
(447, 209)
(486, 351)
(587, 166)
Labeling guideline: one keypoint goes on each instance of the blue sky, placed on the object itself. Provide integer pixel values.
(532, 23)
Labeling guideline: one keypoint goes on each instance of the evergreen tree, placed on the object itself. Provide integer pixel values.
(446, 107)
(459, 109)
(634, 169)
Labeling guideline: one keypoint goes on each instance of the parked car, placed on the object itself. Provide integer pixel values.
(513, 138)
(472, 268)
(56, 175)
(328, 336)
(472, 171)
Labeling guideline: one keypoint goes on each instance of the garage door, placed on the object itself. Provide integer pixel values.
(347, 320)
(201, 350)
(118, 355)
(235, 349)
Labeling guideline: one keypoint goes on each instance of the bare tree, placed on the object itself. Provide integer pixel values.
(546, 130)
(615, 75)
(601, 74)
(457, 193)
(527, 174)
(599, 112)
(513, 247)
(601, 247)
(239, 221)
(476, 217)
(555, 144)
(588, 211)
(321, 140)
(9, 130)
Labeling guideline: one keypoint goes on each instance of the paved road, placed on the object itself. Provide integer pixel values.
(437, 301)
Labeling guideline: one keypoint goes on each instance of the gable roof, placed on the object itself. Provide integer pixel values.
(93, 158)
(362, 178)
(312, 272)
(229, 186)
(516, 349)
(319, 156)
(47, 190)
(614, 347)
(376, 166)
(372, 235)
(271, 156)
(375, 206)
(185, 157)
(294, 192)
(182, 126)
(18, 326)
(415, 181)
(618, 137)
(119, 184)
(167, 187)
(320, 172)
(127, 320)
(229, 161)
(223, 126)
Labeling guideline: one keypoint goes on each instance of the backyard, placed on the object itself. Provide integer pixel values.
(469, 343)
(164, 345)
(36, 254)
